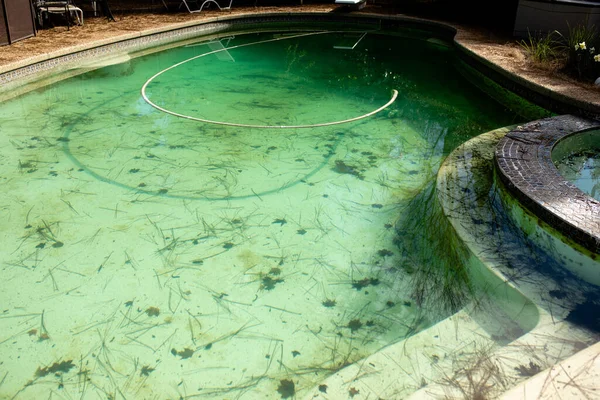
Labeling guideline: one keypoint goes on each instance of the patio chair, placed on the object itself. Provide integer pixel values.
(206, 3)
(352, 4)
(44, 8)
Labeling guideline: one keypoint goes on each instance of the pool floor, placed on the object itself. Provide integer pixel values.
(148, 255)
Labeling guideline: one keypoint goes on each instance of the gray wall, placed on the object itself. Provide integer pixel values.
(3, 28)
(16, 20)
(545, 16)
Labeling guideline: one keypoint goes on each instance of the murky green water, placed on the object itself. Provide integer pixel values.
(151, 256)
(583, 169)
(578, 160)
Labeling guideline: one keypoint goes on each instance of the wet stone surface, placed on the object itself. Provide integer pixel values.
(523, 159)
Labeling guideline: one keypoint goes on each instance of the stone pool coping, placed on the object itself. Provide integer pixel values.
(523, 160)
(498, 55)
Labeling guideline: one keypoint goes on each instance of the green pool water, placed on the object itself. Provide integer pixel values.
(146, 255)
(583, 169)
(578, 160)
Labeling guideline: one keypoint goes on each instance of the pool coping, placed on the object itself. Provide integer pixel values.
(524, 163)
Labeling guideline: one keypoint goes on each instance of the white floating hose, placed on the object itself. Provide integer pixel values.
(208, 121)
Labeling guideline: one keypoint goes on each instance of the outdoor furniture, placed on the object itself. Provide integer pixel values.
(43, 9)
(187, 3)
(353, 4)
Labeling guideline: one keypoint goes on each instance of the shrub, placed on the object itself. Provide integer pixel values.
(542, 48)
(580, 45)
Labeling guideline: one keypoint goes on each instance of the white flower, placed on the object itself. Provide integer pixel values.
(597, 58)
(592, 50)
(582, 45)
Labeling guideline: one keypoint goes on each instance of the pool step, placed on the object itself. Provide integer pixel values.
(400, 369)
(550, 339)
(574, 378)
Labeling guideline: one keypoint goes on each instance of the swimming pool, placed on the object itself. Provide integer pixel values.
(202, 237)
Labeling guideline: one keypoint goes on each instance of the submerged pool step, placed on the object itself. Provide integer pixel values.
(466, 189)
(402, 368)
(578, 373)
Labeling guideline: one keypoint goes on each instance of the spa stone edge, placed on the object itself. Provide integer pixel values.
(524, 164)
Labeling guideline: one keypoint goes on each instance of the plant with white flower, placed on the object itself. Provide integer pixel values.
(579, 45)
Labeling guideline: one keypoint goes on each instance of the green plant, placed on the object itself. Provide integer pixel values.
(580, 43)
(580, 34)
(542, 48)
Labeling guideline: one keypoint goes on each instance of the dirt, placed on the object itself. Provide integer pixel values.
(509, 55)
(100, 28)
(502, 51)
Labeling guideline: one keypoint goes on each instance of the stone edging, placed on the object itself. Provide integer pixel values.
(523, 160)
(537, 94)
